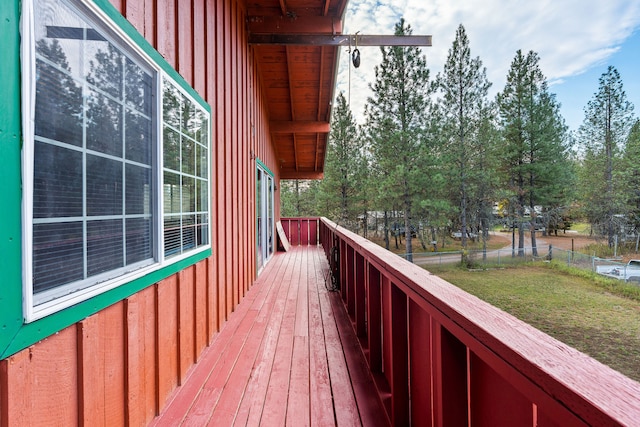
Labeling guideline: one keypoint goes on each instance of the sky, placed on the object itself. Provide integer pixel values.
(576, 41)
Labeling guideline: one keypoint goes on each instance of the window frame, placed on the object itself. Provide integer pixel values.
(132, 45)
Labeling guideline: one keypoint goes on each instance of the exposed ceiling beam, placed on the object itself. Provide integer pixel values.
(293, 174)
(297, 25)
(320, 92)
(299, 126)
(292, 97)
(338, 40)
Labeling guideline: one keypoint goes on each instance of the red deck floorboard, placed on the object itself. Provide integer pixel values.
(281, 358)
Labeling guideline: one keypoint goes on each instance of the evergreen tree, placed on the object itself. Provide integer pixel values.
(395, 123)
(342, 185)
(58, 106)
(464, 87)
(607, 122)
(485, 165)
(535, 152)
(301, 198)
(630, 179)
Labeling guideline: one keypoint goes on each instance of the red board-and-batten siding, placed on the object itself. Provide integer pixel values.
(120, 365)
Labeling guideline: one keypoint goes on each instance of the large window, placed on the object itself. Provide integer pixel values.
(115, 158)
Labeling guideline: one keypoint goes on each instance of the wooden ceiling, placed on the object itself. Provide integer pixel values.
(298, 78)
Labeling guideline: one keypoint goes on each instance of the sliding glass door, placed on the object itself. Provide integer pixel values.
(264, 217)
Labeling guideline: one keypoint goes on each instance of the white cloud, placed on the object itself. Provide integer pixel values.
(570, 36)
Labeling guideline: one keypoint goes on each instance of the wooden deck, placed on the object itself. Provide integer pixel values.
(287, 356)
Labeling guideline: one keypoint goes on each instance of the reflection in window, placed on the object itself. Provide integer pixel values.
(92, 196)
(119, 178)
(186, 184)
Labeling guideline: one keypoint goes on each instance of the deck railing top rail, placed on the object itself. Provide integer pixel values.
(469, 343)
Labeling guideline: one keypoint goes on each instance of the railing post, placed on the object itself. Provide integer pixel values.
(449, 357)
(361, 330)
(395, 341)
(350, 282)
(374, 327)
(421, 365)
(343, 269)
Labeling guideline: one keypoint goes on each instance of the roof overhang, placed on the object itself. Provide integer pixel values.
(296, 44)
(298, 80)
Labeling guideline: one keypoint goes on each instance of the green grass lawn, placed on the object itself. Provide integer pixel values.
(574, 309)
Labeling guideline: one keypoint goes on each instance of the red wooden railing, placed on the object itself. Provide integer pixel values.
(442, 357)
(301, 231)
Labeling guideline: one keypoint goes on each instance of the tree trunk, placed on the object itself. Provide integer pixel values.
(407, 223)
(534, 246)
(386, 230)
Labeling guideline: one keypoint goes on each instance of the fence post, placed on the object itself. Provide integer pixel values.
(550, 252)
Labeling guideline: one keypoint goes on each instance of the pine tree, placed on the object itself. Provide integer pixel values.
(535, 152)
(607, 122)
(395, 123)
(630, 177)
(464, 87)
(342, 185)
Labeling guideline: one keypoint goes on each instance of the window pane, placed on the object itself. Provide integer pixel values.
(188, 122)
(139, 88)
(60, 36)
(171, 193)
(171, 100)
(139, 240)
(171, 148)
(139, 190)
(58, 110)
(104, 62)
(57, 254)
(202, 132)
(172, 236)
(202, 162)
(188, 231)
(104, 246)
(188, 194)
(203, 195)
(104, 186)
(202, 230)
(57, 191)
(188, 156)
(138, 138)
(104, 125)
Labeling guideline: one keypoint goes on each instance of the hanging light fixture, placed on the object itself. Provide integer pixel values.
(355, 55)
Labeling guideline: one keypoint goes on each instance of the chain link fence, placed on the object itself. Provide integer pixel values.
(494, 257)
(508, 256)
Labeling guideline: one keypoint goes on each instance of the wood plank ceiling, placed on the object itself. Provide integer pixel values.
(298, 79)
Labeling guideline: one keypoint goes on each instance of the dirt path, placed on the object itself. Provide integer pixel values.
(561, 241)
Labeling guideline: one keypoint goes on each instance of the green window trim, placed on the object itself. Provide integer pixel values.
(15, 334)
(264, 167)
